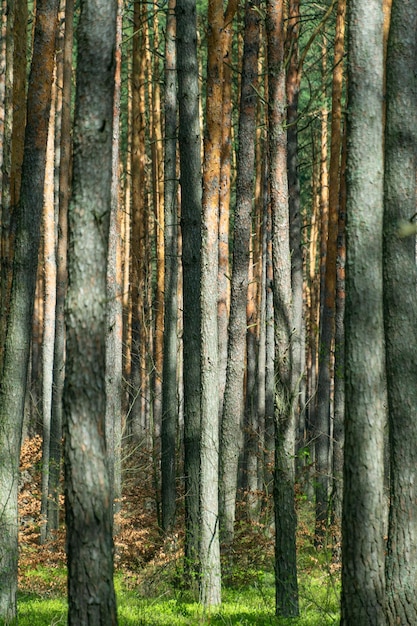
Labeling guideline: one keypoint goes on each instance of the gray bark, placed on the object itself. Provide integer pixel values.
(169, 379)
(233, 403)
(363, 579)
(91, 597)
(191, 192)
(400, 310)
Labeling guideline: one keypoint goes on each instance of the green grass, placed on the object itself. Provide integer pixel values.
(163, 605)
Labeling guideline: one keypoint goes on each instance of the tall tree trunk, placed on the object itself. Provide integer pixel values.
(61, 277)
(400, 309)
(49, 296)
(139, 218)
(191, 192)
(328, 297)
(294, 199)
(12, 144)
(210, 588)
(363, 580)
(286, 587)
(170, 361)
(17, 346)
(89, 508)
(114, 337)
(233, 406)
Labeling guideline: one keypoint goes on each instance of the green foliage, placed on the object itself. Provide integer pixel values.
(250, 603)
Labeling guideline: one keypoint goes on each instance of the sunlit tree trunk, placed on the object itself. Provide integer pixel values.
(328, 297)
(286, 587)
(400, 310)
(17, 345)
(210, 587)
(114, 337)
(49, 295)
(363, 576)
(139, 219)
(233, 406)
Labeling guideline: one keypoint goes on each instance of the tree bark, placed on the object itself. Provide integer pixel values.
(17, 345)
(89, 508)
(363, 580)
(286, 587)
(191, 192)
(233, 405)
(170, 368)
(400, 310)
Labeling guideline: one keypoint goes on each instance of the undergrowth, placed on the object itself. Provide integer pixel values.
(148, 568)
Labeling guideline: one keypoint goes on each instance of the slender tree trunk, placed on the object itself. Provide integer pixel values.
(89, 507)
(114, 337)
(286, 587)
(400, 309)
(363, 579)
(170, 367)
(61, 276)
(233, 406)
(17, 346)
(328, 297)
(49, 295)
(191, 192)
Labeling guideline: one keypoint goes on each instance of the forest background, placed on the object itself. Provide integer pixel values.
(175, 183)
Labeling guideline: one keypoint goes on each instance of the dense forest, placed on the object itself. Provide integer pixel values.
(207, 291)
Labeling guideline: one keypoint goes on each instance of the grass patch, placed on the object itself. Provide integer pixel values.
(246, 605)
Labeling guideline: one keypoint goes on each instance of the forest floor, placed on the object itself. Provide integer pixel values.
(148, 567)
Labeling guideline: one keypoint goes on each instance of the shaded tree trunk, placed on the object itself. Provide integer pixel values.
(286, 587)
(363, 579)
(400, 310)
(89, 508)
(61, 276)
(170, 361)
(191, 192)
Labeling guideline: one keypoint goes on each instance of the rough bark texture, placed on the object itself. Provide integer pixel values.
(191, 191)
(233, 406)
(210, 587)
(169, 384)
(91, 598)
(19, 323)
(400, 309)
(61, 279)
(328, 297)
(286, 587)
(363, 579)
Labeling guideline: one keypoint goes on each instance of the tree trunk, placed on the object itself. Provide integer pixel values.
(61, 277)
(191, 191)
(114, 336)
(363, 581)
(17, 346)
(233, 405)
(170, 361)
(400, 309)
(286, 587)
(49, 296)
(89, 508)
(210, 588)
(328, 297)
